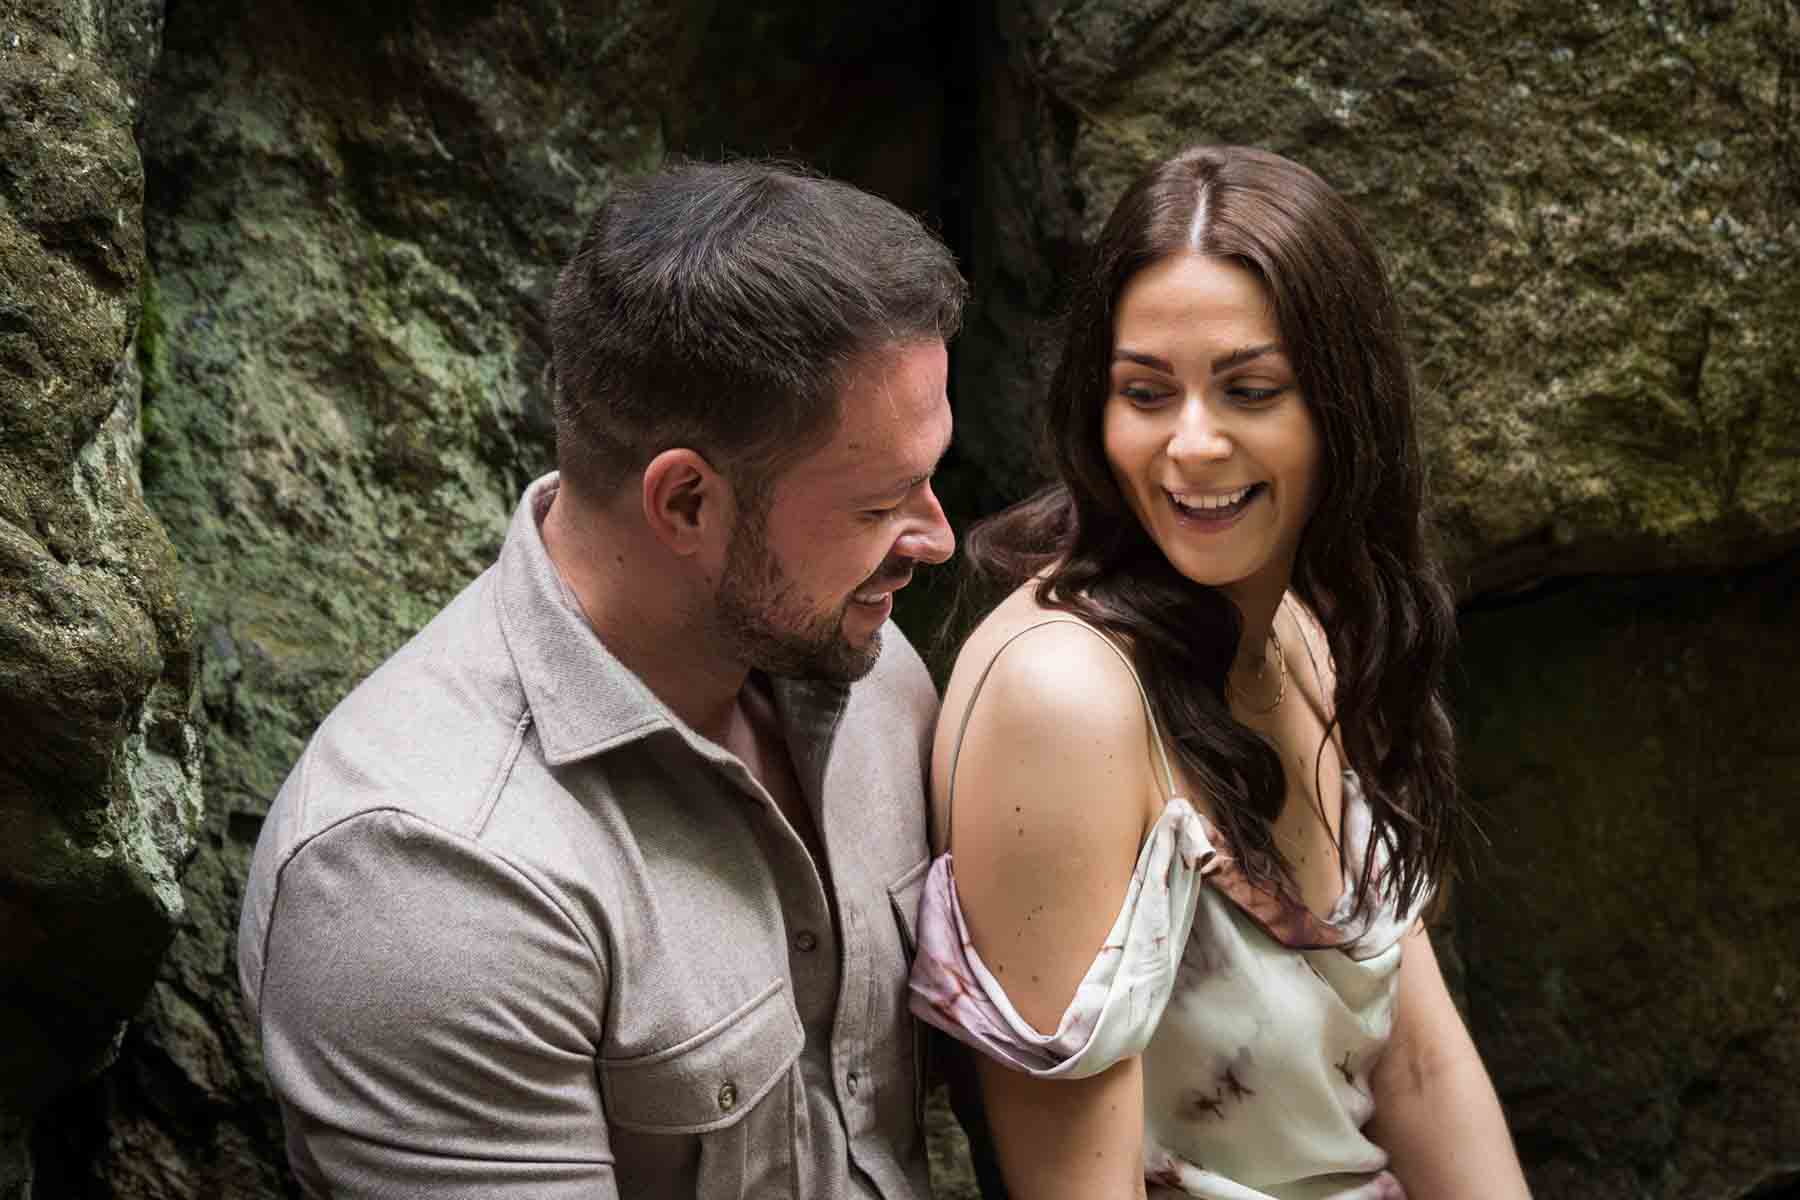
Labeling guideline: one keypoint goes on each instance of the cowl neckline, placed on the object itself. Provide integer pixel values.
(1120, 999)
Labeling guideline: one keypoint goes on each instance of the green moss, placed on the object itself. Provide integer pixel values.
(158, 452)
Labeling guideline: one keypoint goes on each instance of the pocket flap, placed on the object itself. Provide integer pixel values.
(710, 1080)
(905, 893)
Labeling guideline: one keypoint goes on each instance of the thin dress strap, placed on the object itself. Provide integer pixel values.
(1306, 644)
(1162, 755)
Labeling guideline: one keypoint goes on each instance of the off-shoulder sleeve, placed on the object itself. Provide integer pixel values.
(1121, 998)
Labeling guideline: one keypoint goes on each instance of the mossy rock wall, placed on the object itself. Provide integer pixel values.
(1591, 212)
(352, 212)
(99, 762)
(1631, 937)
(1592, 218)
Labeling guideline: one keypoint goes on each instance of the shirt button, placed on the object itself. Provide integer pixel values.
(728, 1097)
(850, 1082)
(806, 941)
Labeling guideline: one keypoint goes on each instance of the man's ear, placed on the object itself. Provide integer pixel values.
(687, 504)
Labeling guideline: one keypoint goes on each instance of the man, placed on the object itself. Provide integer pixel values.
(603, 885)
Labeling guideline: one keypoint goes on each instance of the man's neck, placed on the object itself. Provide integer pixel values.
(638, 605)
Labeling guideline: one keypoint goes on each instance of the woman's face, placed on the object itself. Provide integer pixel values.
(1208, 436)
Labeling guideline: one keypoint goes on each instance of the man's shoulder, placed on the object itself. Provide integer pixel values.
(422, 734)
(407, 784)
(880, 756)
(899, 682)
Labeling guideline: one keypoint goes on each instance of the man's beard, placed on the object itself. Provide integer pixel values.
(767, 625)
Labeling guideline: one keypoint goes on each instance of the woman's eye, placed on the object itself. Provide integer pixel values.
(1252, 395)
(1138, 394)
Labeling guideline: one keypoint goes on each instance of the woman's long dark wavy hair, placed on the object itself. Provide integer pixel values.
(1365, 565)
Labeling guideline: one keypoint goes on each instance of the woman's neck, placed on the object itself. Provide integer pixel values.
(1258, 616)
(1258, 679)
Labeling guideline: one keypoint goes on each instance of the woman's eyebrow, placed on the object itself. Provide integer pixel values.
(1238, 358)
(1142, 359)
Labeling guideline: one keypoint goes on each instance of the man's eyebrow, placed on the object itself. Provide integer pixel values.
(901, 487)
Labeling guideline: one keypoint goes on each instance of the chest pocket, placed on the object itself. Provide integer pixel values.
(733, 1085)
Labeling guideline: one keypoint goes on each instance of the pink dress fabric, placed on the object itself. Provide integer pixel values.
(1258, 1022)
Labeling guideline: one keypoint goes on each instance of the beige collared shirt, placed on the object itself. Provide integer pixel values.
(512, 929)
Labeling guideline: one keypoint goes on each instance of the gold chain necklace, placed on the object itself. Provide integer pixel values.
(1281, 685)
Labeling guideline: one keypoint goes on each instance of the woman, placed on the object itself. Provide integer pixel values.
(1195, 769)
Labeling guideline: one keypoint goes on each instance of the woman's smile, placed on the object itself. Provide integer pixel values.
(1213, 509)
(1209, 438)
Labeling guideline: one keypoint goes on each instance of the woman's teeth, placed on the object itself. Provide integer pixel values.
(1211, 504)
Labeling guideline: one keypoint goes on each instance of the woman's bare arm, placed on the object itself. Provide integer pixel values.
(1068, 1139)
(1436, 1113)
(1054, 792)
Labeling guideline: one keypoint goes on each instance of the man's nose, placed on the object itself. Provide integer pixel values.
(930, 540)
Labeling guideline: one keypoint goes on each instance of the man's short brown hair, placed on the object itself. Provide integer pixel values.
(716, 306)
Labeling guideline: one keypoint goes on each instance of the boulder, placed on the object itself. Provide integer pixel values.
(353, 214)
(1631, 957)
(100, 765)
(1589, 213)
(353, 218)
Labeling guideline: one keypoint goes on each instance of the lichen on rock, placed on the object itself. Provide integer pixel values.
(353, 215)
(326, 378)
(99, 771)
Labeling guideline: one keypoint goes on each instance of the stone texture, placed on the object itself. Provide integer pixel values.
(352, 217)
(952, 1178)
(99, 768)
(353, 211)
(1630, 939)
(1590, 212)
(863, 92)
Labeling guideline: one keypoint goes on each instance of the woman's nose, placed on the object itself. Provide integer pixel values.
(1198, 435)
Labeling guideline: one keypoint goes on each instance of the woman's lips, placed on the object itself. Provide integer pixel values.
(1214, 508)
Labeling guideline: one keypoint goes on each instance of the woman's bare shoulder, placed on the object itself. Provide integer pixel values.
(1060, 665)
(1054, 792)
(1040, 713)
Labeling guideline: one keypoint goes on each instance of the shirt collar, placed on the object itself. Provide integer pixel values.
(583, 700)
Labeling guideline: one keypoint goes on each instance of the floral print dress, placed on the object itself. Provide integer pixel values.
(1258, 1023)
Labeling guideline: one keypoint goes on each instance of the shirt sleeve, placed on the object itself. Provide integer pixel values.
(430, 1018)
